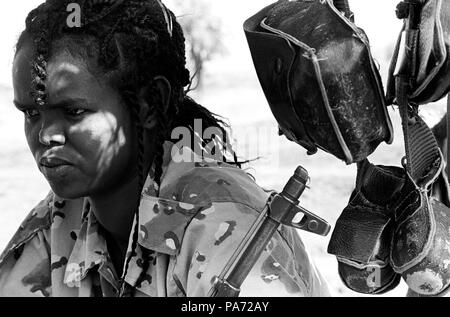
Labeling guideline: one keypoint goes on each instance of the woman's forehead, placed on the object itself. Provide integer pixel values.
(66, 75)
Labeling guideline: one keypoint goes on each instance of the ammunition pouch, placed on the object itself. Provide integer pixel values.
(395, 227)
(420, 249)
(362, 237)
(319, 78)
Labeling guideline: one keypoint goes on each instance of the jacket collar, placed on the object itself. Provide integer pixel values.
(89, 250)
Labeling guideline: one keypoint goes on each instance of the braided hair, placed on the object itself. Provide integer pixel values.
(132, 42)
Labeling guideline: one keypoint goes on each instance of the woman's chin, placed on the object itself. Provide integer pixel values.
(67, 191)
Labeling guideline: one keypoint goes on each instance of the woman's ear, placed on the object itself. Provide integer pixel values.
(164, 89)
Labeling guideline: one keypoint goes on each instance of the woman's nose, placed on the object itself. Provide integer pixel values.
(51, 132)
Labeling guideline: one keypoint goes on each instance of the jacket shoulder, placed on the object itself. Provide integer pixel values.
(216, 182)
(37, 220)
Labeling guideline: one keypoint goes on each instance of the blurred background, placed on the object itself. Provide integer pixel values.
(226, 83)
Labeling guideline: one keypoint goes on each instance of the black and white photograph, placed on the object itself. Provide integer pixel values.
(258, 149)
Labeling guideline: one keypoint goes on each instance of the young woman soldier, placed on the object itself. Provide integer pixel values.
(124, 218)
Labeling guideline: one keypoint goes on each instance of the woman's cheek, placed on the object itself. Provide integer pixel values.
(32, 136)
(99, 139)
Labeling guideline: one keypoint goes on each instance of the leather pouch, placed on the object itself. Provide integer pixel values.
(421, 242)
(362, 237)
(318, 75)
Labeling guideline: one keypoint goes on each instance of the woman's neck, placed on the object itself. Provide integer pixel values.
(115, 210)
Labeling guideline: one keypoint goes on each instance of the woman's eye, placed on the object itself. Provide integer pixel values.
(75, 111)
(31, 113)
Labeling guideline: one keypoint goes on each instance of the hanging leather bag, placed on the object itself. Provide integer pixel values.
(317, 72)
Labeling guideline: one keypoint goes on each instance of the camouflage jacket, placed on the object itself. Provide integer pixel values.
(191, 230)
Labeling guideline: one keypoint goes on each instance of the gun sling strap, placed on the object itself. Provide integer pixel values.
(448, 131)
(423, 157)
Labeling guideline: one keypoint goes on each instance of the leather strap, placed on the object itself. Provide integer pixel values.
(344, 6)
(448, 132)
(421, 147)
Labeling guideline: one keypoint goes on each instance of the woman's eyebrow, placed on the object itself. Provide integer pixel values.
(60, 104)
(68, 102)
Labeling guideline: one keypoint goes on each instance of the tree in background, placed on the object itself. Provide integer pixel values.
(204, 35)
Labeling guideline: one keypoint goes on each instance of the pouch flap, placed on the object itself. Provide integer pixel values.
(360, 235)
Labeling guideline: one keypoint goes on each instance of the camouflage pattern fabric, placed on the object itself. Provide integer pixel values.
(191, 230)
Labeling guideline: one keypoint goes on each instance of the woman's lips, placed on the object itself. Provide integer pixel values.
(53, 162)
(54, 167)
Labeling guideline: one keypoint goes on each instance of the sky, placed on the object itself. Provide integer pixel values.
(377, 18)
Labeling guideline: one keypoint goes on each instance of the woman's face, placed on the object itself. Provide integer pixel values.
(83, 138)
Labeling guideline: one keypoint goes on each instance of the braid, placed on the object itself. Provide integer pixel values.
(39, 66)
(135, 112)
(109, 58)
(40, 74)
(161, 134)
(190, 110)
(158, 161)
(111, 5)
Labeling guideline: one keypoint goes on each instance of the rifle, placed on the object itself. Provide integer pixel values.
(280, 209)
